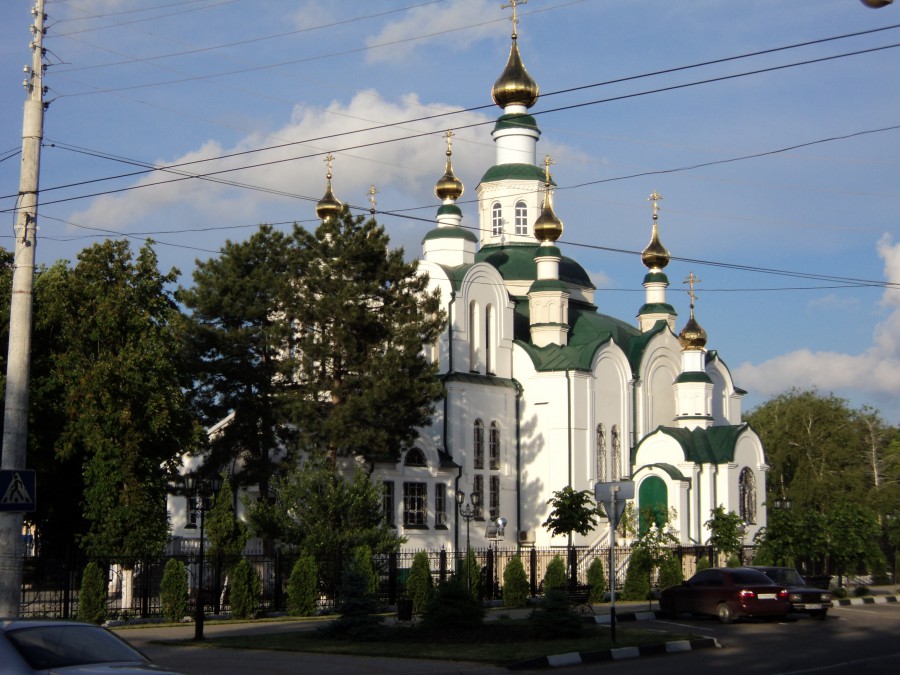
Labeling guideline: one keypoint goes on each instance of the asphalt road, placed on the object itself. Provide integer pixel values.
(856, 639)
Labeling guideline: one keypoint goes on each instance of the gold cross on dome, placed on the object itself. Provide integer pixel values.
(691, 281)
(655, 197)
(514, 4)
(548, 162)
(449, 136)
(329, 158)
(372, 192)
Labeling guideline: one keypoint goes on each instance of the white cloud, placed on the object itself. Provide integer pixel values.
(873, 375)
(458, 23)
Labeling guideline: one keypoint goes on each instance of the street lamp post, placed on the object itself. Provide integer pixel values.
(501, 530)
(468, 512)
(199, 493)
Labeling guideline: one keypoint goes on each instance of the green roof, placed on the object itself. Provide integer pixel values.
(516, 120)
(693, 377)
(449, 233)
(713, 445)
(655, 277)
(449, 208)
(657, 308)
(515, 172)
(515, 262)
(478, 378)
(548, 285)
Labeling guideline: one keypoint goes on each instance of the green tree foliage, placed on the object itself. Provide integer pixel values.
(657, 541)
(173, 590)
(596, 578)
(554, 618)
(359, 605)
(555, 575)
(725, 531)
(246, 591)
(453, 609)
(110, 419)
(516, 588)
(572, 511)
(637, 576)
(226, 534)
(239, 329)
(469, 571)
(92, 595)
(670, 571)
(419, 584)
(365, 314)
(326, 515)
(303, 587)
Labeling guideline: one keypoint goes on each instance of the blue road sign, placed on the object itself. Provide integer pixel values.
(18, 490)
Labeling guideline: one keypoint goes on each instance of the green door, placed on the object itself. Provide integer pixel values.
(653, 504)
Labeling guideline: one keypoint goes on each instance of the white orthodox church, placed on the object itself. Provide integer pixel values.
(543, 391)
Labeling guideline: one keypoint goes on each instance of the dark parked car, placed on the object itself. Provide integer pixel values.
(727, 592)
(28, 647)
(803, 597)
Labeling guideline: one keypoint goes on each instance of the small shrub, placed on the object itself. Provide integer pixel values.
(703, 563)
(92, 595)
(596, 578)
(516, 588)
(452, 608)
(173, 590)
(637, 576)
(555, 576)
(553, 617)
(359, 604)
(469, 568)
(419, 584)
(302, 589)
(862, 590)
(839, 592)
(670, 572)
(246, 590)
(733, 561)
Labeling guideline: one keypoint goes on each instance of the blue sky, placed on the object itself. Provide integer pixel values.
(762, 162)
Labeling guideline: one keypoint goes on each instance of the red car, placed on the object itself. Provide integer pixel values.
(727, 592)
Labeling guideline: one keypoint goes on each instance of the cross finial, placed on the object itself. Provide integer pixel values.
(515, 18)
(329, 158)
(372, 192)
(548, 162)
(691, 281)
(655, 197)
(449, 136)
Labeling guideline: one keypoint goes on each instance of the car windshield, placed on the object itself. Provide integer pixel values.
(750, 577)
(45, 647)
(786, 576)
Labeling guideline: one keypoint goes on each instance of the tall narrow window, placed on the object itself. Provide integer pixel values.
(440, 506)
(616, 453)
(415, 500)
(478, 445)
(496, 220)
(601, 454)
(747, 491)
(478, 488)
(494, 446)
(387, 502)
(521, 218)
(474, 334)
(494, 498)
(489, 340)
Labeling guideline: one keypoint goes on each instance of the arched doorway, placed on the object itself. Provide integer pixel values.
(653, 504)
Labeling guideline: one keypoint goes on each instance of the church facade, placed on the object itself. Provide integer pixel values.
(543, 391)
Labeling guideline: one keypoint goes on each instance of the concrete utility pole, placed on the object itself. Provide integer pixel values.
(15, 420)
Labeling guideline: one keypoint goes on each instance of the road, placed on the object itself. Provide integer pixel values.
(855, 639)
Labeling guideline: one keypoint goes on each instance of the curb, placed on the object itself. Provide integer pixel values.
(604, 619)
(867, 600)
(580, 658)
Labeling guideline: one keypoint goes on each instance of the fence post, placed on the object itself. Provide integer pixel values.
(146, 583)
(532, 563)
(442, 565)
(392, 578)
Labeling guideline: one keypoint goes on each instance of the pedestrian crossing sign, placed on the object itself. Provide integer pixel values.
(17, 490)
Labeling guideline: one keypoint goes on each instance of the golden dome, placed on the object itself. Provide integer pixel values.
(548, 227)
(448, 185)
(655, 256)
(328, 206)
(515, 85)
(692, 336)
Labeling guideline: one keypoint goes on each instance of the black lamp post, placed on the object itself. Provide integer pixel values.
(468, 512)
(199, 492)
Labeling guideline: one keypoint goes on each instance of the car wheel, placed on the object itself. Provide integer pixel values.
(821, 614)
(726, 615)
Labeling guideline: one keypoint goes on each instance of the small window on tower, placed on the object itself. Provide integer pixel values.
(496, 220)
(521, 218)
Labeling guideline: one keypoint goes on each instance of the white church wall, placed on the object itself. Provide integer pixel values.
(659, 368)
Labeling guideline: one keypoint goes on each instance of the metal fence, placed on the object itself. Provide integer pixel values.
(51, 584)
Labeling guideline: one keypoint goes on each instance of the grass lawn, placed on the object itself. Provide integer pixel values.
(500, 642)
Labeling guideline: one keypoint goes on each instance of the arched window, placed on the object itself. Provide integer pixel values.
(601, 454)
(616, 453)
(521, 218)
(489, 340)
(747, 490)
(474, 334)
(414, 457)
(496, 219)
(494, 446)
(478, 445)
